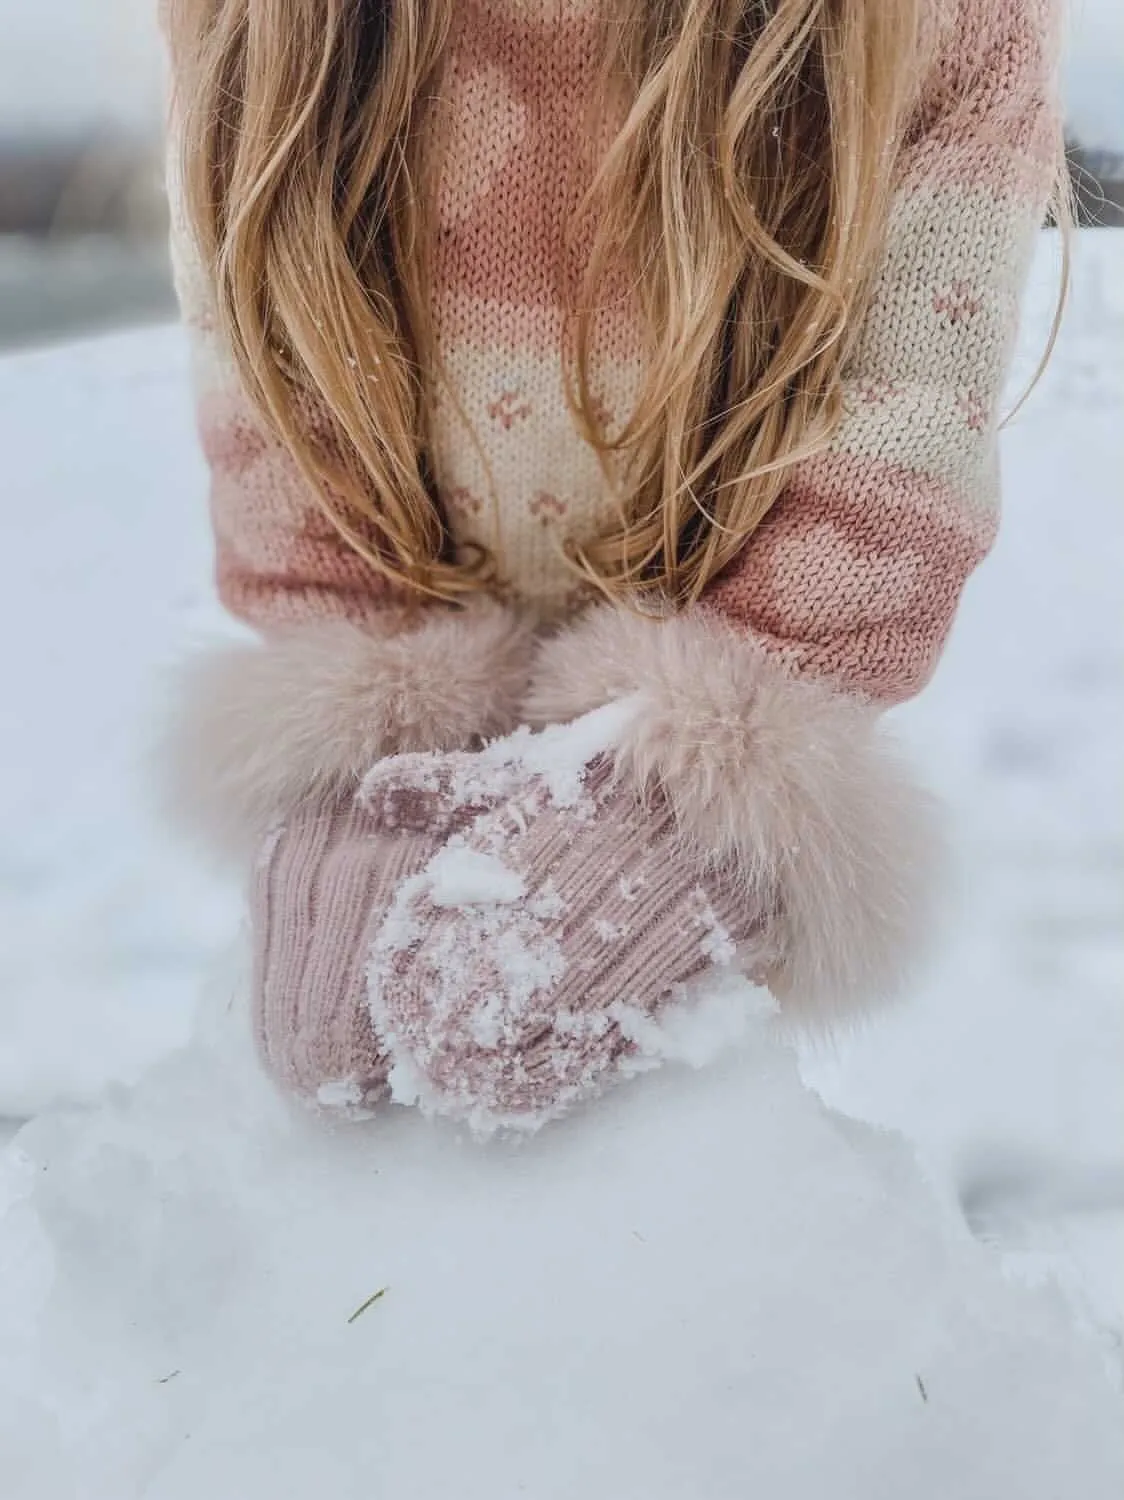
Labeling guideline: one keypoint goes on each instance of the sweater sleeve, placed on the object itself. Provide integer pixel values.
(278, 559)
(856, 574)
(758, 710)
(343, 670)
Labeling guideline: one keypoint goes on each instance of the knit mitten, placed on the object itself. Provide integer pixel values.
(513, 976)
(323, 882)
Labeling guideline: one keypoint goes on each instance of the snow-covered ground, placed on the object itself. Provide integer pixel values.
(708, 1286)
(1006, 1068)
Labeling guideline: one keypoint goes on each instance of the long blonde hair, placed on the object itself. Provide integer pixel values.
(748, 190)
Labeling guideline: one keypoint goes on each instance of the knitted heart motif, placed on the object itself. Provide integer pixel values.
(486, 123)
(873, 585)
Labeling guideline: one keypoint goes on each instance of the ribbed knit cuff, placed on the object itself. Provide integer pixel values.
(317, 890)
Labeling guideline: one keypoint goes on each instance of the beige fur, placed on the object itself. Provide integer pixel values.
(795, 786)
(258, 726)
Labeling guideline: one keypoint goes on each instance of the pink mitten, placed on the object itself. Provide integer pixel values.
(510, 975)
(323, 882)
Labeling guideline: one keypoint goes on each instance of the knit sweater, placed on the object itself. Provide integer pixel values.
(857, 570)
(760, 703)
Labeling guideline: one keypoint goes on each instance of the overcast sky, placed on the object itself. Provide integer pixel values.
(67, 64)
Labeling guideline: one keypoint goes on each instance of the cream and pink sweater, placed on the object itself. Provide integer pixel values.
(857, 571)
(843, 597)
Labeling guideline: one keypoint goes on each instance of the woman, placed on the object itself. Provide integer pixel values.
(562, 353)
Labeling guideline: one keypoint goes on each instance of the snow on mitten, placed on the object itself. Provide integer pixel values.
(512, 976)
(323, 881)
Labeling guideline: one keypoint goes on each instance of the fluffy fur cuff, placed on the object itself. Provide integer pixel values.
(258, 726)
(794, 786)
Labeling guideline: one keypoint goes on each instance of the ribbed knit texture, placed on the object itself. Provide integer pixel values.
(856, 573)
(510, 976)
(323, 882)
(320, 881)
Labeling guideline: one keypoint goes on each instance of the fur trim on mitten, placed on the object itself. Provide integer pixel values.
(796, 783)
(260, 726)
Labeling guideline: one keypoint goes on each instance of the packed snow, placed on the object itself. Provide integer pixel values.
(707, 1284)
(467, 877)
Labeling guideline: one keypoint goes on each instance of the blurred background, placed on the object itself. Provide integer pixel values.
(1004, 1071)
(82, 236)
(82, 221)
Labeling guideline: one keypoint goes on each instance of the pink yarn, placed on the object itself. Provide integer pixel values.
(508, 1003)
(856, 574)
(320, 881)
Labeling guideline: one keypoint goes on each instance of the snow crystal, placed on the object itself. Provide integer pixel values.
(458, 781)
(487, 1024)
(608, 931)
(407, 1084)
(459, 876)
(481, 972)
(500, 778)
(548, 905)
(531, 958)
(560, 753)
(401, 927)
(585, 1024)
(717, 944)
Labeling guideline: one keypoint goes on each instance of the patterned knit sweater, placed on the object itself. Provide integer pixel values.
(755, 716)
(855, 574)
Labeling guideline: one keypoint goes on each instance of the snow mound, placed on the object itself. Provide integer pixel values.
(708, 1286)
